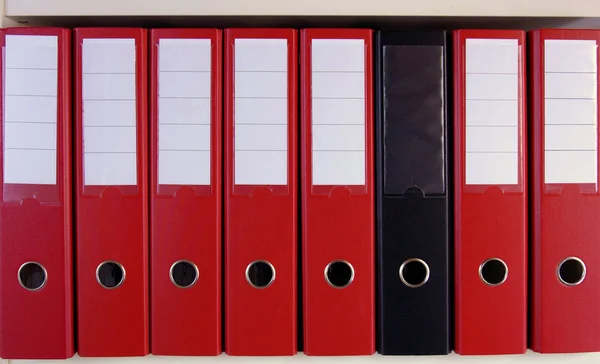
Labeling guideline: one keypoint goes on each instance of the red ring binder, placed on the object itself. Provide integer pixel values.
(111, 189)
(36, 304)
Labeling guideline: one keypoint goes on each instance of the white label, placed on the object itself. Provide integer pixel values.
(569, 111)
(261, 112)
(492, 139)
(564, 86)
(492, 111)
(261, 84)
(261, 137)
(481, 86)
(338, 112)
(31, 82)
(184, 84)
(110, 169)
(492, 168)
(570, 56)
(109, 112)
(571, 114)
(30, 109)
(327, 137)
(267, 111)
(108, 87)
(184, 115)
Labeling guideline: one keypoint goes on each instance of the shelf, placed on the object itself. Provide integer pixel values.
(528, 358)
(506, 13)
(416, 8)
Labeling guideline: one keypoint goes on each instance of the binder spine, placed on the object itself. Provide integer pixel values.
(490, 192)
(533, 38)
(565, 190)
(111, 155)
(261, 191)
(36, 289)
(185, 185)
(337, 192)
(412, 193)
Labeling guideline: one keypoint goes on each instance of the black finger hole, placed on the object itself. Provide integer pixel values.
(493, 272)
(414, 273)
(184, 274)
(110, 274)
(571, 271)
(260, 274)
(32, 276)
(339, 274)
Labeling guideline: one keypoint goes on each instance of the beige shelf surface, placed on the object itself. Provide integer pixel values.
(429, 8)
(528, 358)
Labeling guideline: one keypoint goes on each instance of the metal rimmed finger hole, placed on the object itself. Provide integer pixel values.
(183, 273)
(32, 276)
(571, 271)
(414, 272)
(110, 274)
(260, 274)
(493, 272)
(339, 274)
